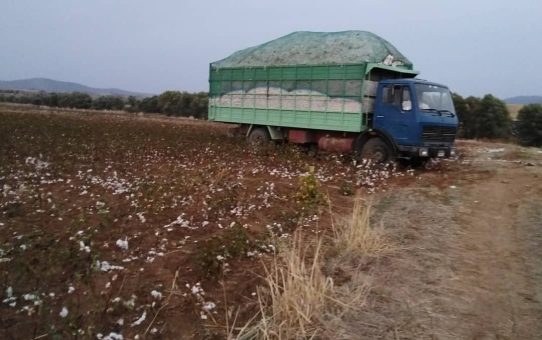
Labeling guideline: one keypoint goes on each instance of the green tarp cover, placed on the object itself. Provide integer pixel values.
(318, 48)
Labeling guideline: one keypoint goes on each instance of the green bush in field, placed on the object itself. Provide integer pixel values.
(529, 126)
(309, 194)
(233, 243)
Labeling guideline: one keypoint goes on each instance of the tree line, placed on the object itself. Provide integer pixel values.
(488, 117)
(485, 117)
(171, 103)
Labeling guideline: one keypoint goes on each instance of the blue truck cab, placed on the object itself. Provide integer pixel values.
(416, 116)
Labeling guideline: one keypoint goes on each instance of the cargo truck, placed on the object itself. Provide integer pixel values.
(343, 91)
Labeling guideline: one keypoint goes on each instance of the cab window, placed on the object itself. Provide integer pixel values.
(398, 96)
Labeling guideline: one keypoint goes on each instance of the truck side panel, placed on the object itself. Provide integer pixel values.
(327, 97)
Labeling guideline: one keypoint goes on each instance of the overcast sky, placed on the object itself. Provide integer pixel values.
(474, 47)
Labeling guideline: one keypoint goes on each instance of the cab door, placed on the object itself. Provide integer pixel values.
(396, 114)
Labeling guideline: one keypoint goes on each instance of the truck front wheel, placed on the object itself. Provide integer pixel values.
(377, 150)
(259, 136)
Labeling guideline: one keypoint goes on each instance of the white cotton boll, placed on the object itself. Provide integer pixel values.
(208, 306)
(113, 336)
(64, 312)
(83, 247)
(141, 217)
(140, 320)
(122, 244)
(106, 266)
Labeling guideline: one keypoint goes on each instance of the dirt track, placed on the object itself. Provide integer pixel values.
(471, 267)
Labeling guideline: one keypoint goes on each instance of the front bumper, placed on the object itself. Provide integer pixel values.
(433, 151)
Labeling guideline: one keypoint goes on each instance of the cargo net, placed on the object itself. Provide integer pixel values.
(315, 48)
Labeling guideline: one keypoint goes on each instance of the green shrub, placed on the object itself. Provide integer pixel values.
(529, 126)
(309, 194)
(210, 256)
(485, 117)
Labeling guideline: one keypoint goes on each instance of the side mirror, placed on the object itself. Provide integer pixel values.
(406, 105)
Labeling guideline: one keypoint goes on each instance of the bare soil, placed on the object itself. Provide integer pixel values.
(468, 232)
(471, 260)
(118, 224)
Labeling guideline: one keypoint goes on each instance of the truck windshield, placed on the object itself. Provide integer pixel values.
(432, 98)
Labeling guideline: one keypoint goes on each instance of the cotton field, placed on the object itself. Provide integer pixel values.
(120, 227)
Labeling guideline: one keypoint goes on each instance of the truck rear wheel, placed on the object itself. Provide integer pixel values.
(259, 136)
(377, 150)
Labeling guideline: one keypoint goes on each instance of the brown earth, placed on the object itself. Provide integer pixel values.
(468, 233)
(196, 206)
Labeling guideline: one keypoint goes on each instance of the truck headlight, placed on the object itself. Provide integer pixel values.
(452, 152)
(423, 152)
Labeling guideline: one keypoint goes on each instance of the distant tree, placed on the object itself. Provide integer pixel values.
(483, 118)
(198, 106)
(53, 99)
(75, 100)
(171, 103)
(39, 98)
(132, 104)
(461, 110)
(460, 105)
(494, 118)
(466, 113)
(108, 103)
(529, 125)
(468, 119)
(150, 105)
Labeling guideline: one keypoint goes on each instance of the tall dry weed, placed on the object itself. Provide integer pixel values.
(299, 301)
(355, 234)
(297, 294)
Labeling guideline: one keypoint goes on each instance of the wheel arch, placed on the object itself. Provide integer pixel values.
(274, 132)
(374, 133)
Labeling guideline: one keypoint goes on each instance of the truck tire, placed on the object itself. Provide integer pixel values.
(377, 150)
(259, 136)
(418, 162)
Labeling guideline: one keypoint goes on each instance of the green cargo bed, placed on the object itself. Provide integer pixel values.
(260, 86)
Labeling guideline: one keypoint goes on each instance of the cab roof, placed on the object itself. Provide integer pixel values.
(411, 81)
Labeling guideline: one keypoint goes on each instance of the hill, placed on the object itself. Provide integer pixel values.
(524, 100)
(50, 85)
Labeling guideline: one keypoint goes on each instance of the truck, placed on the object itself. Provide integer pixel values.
(346, 91)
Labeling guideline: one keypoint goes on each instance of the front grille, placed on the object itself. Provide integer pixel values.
(439, 134)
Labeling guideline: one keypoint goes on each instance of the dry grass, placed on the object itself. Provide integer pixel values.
(355, 234)
(300, 300)
(297, 295)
